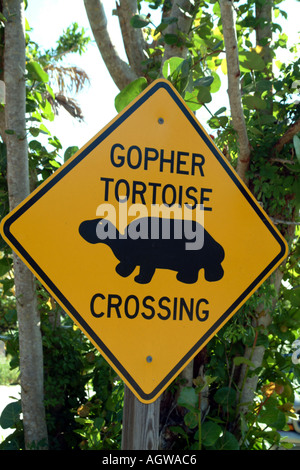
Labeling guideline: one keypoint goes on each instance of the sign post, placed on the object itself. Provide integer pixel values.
(140, 423)
(148, 239)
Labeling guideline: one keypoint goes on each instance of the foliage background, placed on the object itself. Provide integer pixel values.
(83, 397)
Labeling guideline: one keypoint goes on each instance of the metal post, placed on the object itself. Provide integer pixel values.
(140, 423)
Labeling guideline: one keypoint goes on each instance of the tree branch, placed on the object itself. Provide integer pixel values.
(234, 89)
(248, 383)
(282, 161)
(284, 222)
(133, 38)
(182, 24)
(287, 137)
(263, 14)
(121, 73)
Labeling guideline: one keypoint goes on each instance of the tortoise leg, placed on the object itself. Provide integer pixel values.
(212, 274)
(125, 269)
(187, 276)
(145, 275)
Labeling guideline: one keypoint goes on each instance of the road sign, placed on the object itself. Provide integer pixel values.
(148, 239)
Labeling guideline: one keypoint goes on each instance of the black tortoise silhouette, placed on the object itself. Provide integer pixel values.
(167, 249)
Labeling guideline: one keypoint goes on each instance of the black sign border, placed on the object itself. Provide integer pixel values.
(64, 301)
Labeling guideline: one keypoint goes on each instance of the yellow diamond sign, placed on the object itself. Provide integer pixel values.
(148, 239)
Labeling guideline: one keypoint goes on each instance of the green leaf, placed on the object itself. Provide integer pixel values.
(265, 119)
(210, 433)
(10, 443)
(2, 18)
(55, 142)
(225, 396)
(172, 68)
(99, 423)
(204, 95)
(293, 295)
(139, 21)
(250, 60)
(272, 416)
(44, 130)
(254, 102)
(129, 93)
(54, 163)
(242, 360)
(178, 430)
(35, 145)
(11, 315)
(47, 112)
(10, 415)
(214, 123)
(204, 81)
(188, 398)
(191, 100)
(255, 131)
(35, 72)
(223, 120)
(165, 23)
(296, 142)
(264, 85)
(217, 9)
(216, 84)
(34, 131)
(172, 39)
(7, 284)
(70, 152)
(191, 419)
(185, 67)
(227, 442)
(50, 91)
(5, 266)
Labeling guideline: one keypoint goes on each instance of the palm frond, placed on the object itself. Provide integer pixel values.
(69, 104)
(70, 78)
(66, 80)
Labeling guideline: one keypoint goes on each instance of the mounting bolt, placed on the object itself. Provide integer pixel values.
(160, 121)
(149, 358)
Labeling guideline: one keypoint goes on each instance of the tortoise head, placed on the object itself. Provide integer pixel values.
(97, 230)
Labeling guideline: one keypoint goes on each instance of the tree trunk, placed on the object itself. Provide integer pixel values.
(133, 38)
(140, 423)
(234, 88)
(263, 13)
(182, 25)
(121, 73)
(30, 342)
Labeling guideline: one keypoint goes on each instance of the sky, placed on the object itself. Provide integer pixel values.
(49, 18)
